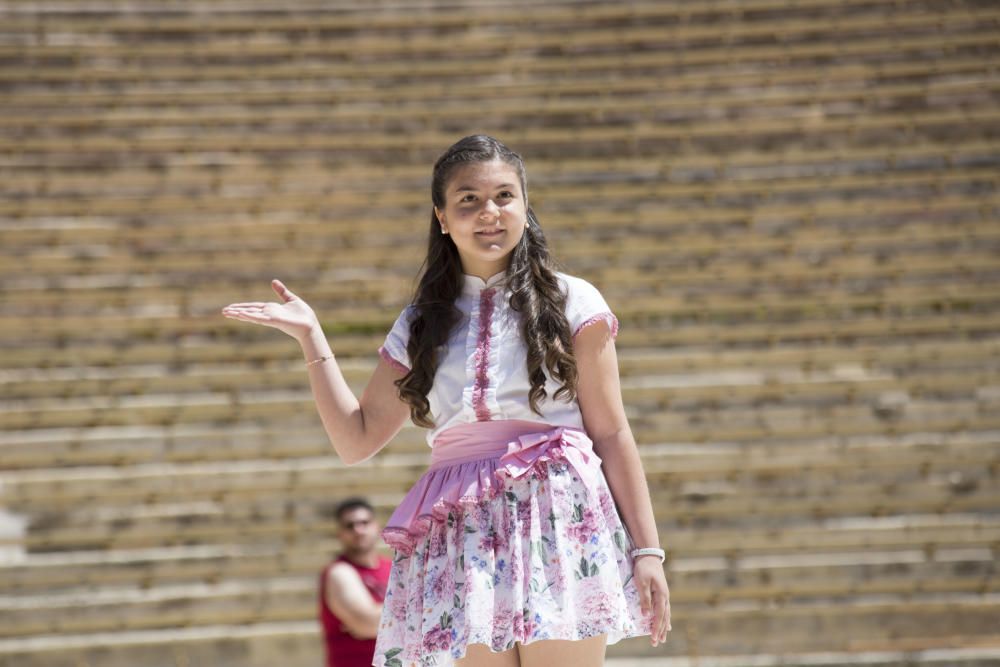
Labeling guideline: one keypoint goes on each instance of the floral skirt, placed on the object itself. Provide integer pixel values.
(512, 535)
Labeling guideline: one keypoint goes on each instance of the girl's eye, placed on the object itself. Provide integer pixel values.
(468, 197)
(507, 193)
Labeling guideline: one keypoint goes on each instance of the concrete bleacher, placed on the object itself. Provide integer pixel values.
(791, 207)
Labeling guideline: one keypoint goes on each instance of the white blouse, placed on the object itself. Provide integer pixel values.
(483, 375)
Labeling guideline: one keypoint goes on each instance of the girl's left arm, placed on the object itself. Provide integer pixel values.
(600, 397)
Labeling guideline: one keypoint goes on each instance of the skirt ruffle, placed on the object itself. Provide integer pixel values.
(456, 487)
(507, 549)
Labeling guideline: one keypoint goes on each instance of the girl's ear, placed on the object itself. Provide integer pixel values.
(440, 218)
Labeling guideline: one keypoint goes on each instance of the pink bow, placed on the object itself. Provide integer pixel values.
(561, 442)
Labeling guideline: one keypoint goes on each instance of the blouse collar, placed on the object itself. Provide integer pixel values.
(474, 284)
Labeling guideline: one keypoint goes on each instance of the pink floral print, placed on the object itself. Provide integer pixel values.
(541, 559)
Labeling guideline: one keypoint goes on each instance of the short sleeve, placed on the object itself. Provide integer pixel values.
(586, 306)
(393, 350)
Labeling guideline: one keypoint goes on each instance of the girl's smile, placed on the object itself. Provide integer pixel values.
(491, 234)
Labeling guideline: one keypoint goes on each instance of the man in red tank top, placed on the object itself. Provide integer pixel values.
(352, 587)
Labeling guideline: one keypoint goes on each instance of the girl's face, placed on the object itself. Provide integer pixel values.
(485, 214)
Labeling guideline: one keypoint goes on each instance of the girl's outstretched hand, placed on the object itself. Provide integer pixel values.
(293, 315)
(654, 595)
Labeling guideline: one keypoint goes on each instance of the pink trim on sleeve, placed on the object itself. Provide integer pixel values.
(384, 353)
(606, 316)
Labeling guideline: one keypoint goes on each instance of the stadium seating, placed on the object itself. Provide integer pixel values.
(790, 206)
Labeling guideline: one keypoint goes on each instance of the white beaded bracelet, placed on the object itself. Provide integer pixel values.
(650, 551)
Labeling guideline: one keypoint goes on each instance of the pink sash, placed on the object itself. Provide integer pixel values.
(467, 462)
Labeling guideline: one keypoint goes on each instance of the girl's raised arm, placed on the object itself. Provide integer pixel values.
(357, 429)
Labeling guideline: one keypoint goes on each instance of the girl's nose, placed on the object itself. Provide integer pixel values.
(491, 210)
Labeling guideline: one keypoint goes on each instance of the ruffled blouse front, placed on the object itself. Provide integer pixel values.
(483, 372)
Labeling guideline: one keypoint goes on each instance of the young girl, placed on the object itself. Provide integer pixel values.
(510, 549)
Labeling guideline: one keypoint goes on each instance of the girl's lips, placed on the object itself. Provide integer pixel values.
(492, 233)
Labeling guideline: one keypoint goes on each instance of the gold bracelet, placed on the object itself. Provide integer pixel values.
(321, 359)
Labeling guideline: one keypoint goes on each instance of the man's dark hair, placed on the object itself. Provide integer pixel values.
(349, 504)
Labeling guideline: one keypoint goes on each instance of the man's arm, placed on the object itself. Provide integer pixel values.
(353, 604)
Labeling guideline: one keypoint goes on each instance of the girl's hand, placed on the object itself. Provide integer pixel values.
(294, 316)
(653, 595)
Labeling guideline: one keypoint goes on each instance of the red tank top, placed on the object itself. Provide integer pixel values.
(342, 649)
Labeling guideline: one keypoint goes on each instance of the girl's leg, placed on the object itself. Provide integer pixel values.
(480, 654)
(549, 652)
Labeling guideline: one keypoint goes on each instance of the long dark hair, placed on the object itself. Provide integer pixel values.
(531, 277)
